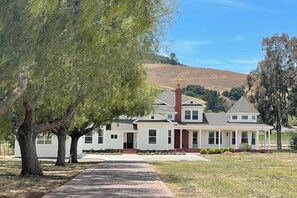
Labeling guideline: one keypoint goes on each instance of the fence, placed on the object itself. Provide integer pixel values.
(6, 150)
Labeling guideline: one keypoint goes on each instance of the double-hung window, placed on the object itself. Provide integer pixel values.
(253, 138)
(100, 136)
(194, 115)
(169, 136)
(187, 115)
(152, 136)
(195, 138)
(89, 138)
(211, 137)
(244, 137)
(44, 139)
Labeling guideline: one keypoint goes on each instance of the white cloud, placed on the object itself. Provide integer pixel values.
(245, 61)
(188, 45)
(232, 3)
(211, 62)
(238, 38)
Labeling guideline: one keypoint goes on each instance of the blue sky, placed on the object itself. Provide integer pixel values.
(227, 34)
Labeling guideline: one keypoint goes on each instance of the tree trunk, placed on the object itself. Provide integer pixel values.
(279, 128)
(30, 164)
(26, 137)
(61, 135)
(73, 148)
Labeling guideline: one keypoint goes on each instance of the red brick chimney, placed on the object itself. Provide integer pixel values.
(178, 102)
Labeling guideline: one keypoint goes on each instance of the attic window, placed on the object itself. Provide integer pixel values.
(234, 117)
(152, 117)
(244, 117)
(191, 102)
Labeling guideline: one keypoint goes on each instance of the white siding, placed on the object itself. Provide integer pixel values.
(51, 150)
(161, 136)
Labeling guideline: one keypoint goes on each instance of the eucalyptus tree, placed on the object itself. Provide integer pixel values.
(72, 51)
(270, 83)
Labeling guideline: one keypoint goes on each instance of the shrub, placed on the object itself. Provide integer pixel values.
(214, 151)
(230, 149)
(203, 151)
(293, 143)
(245, 147)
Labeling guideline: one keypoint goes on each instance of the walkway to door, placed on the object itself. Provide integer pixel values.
(115, 179)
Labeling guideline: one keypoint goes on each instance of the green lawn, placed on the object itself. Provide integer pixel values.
(233, 175)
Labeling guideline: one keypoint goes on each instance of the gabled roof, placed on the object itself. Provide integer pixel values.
(169, 98)
(243, 106)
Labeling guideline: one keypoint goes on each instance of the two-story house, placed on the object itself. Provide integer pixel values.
(177, 122)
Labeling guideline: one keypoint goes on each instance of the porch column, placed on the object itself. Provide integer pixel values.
(265, 140)
(180, 138)
(219, 138)
(236, 135)
(268, 139)
(200, 141)
(257, 139)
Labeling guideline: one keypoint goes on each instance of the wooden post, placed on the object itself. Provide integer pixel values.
(180, 138)
(264, 140)
(200, 141)
(236, 135)
(219, 138)
(268, 139)
(257, 139)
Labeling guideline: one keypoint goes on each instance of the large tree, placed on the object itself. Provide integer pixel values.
(72, 50)
(270, 83)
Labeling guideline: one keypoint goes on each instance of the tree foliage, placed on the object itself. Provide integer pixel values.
(270, 83)
(76, 53)
(214, 102)
(235, 93)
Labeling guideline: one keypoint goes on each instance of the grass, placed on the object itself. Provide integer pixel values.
(233, 175)
(13, 185)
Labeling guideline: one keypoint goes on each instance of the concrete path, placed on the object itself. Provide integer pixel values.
(147, 158)
(115, 179)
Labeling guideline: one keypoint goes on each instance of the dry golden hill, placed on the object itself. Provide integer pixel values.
(167, 76)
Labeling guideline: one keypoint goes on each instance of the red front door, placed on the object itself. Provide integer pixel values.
(185, 139)
(176, 139)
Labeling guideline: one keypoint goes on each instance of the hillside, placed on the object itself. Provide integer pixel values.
(167, 76)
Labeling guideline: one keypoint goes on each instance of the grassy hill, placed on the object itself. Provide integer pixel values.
(167, 76)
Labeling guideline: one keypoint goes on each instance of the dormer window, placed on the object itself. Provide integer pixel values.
(152, 117)
(244, 117)
(195, 115)
(169, 116)
(187, 115)
(234, 117)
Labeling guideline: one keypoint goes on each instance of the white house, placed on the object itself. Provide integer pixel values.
(177, 122)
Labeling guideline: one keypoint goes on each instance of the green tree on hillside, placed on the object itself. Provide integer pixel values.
(269, 85)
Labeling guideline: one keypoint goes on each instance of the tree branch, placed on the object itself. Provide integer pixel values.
(8, 101)
(64, 121)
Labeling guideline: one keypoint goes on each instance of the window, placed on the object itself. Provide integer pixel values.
(152, 117)
(244, 117)
(187, 115)
(194, 115)
(114, 136)
(217, 137)
(253, 117)
(169, 116)
(233, 137)
(100, 136)
(44, 139)
(234, 117)
(253, 138)
(211, 137)
(152, 136)
(195, 137)
(244, 137)
(89, 138)
(169, 136)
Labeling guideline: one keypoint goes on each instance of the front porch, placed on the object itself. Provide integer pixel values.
(195, 139)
